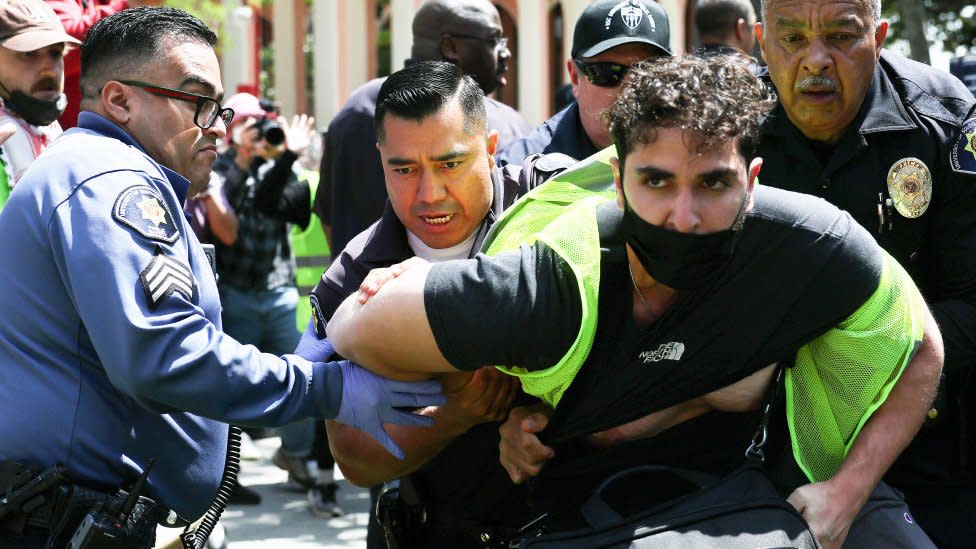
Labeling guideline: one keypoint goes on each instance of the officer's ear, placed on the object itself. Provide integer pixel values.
(116, 99)
(880, 33)
(574, 77)
(760, 38)
(492, 147)
(449, 49)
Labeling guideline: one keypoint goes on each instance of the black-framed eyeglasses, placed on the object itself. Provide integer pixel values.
(496, 42)
(208, 108)
(603, 74)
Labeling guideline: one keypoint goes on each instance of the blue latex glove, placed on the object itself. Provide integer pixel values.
(313, 349)
(369, 401)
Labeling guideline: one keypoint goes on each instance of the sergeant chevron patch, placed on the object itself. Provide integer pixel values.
(165, 276)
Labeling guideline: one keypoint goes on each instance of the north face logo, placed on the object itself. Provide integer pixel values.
(665, 351)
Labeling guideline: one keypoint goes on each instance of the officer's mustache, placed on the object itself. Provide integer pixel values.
(817, 84)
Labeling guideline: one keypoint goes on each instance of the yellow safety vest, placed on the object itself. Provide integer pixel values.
(312, 255)
(4, 185)
(830, 394)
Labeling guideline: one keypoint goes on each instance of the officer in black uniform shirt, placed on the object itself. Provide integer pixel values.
(445, 192)
(890, 141)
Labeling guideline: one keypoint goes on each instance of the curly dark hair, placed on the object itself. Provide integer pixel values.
(717, 97)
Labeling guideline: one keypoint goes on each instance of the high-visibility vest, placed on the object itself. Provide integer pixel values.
(312, 255)
(4, 184)
(562, 213)
(830, 395)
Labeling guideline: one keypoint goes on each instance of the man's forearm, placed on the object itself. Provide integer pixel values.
(895, 423)
(221, 220)
(390, 334)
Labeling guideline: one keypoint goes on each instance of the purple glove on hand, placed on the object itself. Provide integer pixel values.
(369, 401)
(313, 349)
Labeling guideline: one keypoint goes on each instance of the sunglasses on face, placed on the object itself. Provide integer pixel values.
(208, 108)
(605, 75)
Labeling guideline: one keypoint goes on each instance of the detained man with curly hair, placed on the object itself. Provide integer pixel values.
(644, 296)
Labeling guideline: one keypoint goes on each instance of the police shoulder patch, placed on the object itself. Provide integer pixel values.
(141, 208)
(317, 315)
(164, 276)
(962, 157)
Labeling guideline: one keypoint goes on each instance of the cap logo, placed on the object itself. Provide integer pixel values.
(631, 13)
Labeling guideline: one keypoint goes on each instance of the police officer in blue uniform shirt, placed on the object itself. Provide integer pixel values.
(111, 352)
(892, 142)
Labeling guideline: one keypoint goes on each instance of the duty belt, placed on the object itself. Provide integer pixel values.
(46, 503)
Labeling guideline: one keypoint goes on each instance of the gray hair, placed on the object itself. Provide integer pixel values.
(874, 6)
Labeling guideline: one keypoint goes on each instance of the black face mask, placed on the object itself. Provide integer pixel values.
(683, 261)
(37, 112)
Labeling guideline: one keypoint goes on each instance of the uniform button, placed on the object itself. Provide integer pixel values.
(825, 183)
(485, 537)
(933, 413)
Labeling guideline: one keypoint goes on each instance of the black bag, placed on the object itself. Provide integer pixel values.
(742, 510)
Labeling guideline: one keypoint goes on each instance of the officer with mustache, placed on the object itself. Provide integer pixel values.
(892, 142)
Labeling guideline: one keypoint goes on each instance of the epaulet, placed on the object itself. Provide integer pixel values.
(928, 91)
(538, 168)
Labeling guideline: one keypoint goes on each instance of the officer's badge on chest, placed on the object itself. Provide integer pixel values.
(142, 209)
(910, 187)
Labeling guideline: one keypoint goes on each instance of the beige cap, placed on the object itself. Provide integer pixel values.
(28, 25)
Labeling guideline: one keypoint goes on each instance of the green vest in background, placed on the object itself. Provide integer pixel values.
(4, 185)
(312, 255)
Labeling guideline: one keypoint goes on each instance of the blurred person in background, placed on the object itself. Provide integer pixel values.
(259, 175)
(32, 46)
(725, 26)
(604, 48)
(78, 16)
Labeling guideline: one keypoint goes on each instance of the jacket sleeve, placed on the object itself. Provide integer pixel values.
(281, 195)
(168, 355)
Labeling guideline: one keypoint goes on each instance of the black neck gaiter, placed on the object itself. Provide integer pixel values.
(36, 112)
(683, 261)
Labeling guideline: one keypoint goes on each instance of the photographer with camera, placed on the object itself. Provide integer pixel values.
(259, 175)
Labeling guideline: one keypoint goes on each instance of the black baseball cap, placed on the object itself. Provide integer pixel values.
(605, 24)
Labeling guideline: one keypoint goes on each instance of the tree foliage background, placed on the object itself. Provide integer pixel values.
(952, 20)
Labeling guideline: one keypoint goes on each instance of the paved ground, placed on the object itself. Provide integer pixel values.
(283, 518)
